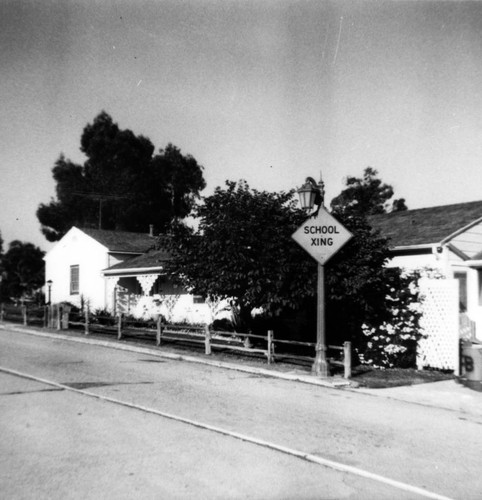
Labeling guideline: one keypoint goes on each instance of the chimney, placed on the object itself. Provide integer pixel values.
(151, 230)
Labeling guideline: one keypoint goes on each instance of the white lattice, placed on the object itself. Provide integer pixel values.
(168, 304)
(146, 281)
(440, 306)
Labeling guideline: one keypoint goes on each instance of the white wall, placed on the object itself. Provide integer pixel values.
(76, 248)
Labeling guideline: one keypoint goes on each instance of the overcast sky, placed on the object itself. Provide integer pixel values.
(267, 91)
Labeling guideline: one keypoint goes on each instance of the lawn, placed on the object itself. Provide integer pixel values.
(394, 377)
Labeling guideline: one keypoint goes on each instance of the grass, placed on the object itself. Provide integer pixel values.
(374, 378)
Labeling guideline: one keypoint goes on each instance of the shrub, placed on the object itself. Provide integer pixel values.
(393, 343)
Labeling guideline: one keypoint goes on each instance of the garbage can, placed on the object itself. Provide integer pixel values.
(471, 365)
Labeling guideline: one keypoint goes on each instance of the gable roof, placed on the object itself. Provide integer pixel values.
(426, 226)
(154, 259)
(121, 241)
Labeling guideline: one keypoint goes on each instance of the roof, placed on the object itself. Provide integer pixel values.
(426, 226)
(121, 241)
(152, 259)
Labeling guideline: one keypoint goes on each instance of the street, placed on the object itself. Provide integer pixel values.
(83, 421)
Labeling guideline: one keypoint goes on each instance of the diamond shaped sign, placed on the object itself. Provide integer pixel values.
(322, 236)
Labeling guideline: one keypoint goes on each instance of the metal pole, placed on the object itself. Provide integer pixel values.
(320, 366)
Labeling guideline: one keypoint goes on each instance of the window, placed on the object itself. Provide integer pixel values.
(74, 280)
(198, 299)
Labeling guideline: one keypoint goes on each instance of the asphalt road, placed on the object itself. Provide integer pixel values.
(91, 422)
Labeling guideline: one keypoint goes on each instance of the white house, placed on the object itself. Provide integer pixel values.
(141, 287)
(447, 238)
(74, 265)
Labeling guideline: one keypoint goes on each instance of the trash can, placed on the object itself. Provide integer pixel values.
(471, 365)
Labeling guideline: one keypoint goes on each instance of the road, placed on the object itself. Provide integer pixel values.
(83, 421)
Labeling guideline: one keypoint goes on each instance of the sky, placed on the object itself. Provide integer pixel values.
(266, 91)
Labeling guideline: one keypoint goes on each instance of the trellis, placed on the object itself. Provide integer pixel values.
(440, 325)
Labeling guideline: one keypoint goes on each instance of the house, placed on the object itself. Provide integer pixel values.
(446, 238)
(74, 265)
(140, 287)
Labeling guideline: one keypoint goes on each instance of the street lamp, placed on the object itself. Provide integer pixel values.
(49, 284)
(312, 193)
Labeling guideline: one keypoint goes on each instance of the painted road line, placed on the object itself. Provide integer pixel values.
(249, 439)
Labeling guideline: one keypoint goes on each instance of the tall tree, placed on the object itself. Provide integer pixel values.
(243, 250)
(23, 270)
(366, 196)
(122, 184)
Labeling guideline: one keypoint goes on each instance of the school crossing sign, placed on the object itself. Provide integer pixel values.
(321, 236)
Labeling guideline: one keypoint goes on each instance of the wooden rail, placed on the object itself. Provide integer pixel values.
(60, 317)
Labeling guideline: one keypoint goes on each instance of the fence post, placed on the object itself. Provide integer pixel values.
(347, 359)
(24, 314)
(207, 339)
(119, 327)
(158, 331)
(59, 317)
(49, 316)
(86, 320)
(270, 347)
(1, 312)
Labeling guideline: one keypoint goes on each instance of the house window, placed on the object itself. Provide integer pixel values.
(462, 278)
(198, 299)
(74, 280)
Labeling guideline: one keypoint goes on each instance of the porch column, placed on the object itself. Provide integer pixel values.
(111, 283)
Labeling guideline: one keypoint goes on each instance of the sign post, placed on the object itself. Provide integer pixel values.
(321, 236)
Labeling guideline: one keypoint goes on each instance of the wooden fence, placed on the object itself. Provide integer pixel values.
(62, 318)
(27, 315)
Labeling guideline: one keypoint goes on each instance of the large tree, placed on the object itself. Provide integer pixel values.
(243, 249)
(367, 195)
(23, 270)
(121, 185)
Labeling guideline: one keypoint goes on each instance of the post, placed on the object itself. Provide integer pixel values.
(119, 327)
(46, 316)
(1, 312)
(270, 347)
(24, 314)
(207, 340)
(159, 331)
(347, 359)
(49, 316)
(86, 324)
(320, 366)
(59, 317)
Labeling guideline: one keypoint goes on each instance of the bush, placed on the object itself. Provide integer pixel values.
(393, 343)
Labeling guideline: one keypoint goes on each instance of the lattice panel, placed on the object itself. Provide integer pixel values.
(146, 281)
(169, 303)
(440, 324)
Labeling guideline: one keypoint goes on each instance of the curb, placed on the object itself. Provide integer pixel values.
(112, 344)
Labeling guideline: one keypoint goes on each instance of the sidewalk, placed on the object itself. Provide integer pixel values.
(447, 394)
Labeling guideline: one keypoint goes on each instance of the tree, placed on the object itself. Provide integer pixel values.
(122, 184)
(366, 196)
(243, 250)
(23, 270)
(357, 281)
